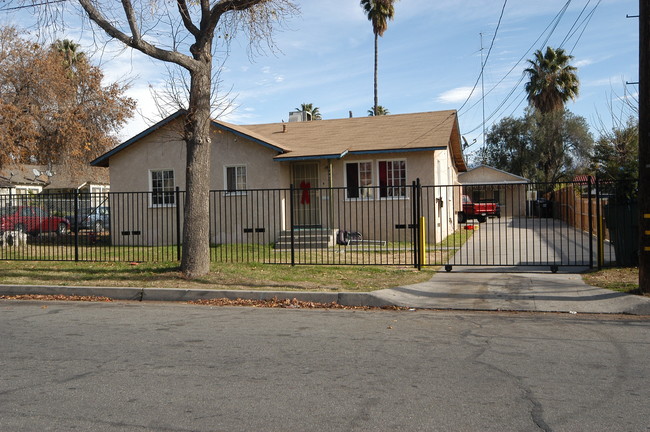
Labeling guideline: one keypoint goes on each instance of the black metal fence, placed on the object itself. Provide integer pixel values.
(563, 224)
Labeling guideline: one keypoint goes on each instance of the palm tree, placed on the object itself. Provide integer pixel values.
(378, 12)
(377, 111)
(552, 80)
(311, 109)
(68, 50)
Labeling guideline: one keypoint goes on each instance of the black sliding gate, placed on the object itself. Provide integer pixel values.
(509, 225)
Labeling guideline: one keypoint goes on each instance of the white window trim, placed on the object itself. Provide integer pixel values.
(151, 204)
(28, 190)
(239, 192)
(406, 184)
(373, 183)
(100, 189)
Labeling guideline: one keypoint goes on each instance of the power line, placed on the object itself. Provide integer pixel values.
(588, 20)
(571, 31)
(487, 56)
(553, 26)
(33, 5)
(555, 19)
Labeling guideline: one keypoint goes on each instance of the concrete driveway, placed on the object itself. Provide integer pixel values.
(533, 289)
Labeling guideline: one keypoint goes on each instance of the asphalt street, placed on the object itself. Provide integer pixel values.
(130, 366)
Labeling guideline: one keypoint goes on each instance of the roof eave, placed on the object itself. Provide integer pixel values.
(312, 157)
(103, 160)
(248, 137)
(398, 150)
(456, 147)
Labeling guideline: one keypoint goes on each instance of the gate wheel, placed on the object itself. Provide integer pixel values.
(447, 268)
(554, 269)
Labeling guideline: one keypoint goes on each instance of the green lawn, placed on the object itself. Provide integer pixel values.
(235, 266)
(231, 276)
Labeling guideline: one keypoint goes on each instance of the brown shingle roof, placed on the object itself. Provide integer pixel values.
(335, 138)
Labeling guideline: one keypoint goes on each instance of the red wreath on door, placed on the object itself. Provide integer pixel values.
(305, 186)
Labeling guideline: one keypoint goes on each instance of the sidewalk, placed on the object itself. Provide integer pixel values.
(469, 288)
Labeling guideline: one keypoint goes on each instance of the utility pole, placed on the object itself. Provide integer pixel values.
(483, 158)
(483, 90)
(644, 145)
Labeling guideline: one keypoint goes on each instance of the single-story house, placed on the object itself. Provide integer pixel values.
(334, 165)
(485, 183)
(54, 182)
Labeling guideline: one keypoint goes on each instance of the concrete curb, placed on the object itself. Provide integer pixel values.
(381, 298)
(181, 295)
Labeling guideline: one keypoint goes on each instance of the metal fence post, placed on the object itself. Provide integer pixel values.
(418, 220)
(591, 225)
(599, 227)
(77, 223)
(415, 223)
(178, 224)
(293, 236)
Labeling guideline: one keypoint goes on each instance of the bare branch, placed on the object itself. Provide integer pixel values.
(139, 44)
(187, 19)
(130, 17)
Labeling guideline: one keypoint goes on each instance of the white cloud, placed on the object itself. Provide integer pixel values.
(459, 94)
(583, 63)
(604, 82)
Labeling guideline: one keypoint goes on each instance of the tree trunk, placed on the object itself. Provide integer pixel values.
(195, 261)
(376, 99)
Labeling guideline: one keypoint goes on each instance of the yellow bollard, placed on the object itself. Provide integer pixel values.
(423, 241)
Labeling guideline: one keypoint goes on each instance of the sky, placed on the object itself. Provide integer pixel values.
(429, 59)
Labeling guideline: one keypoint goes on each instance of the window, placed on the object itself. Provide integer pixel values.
(235, 178)
(162, 188)
(392, 179)
(28, 190)
(99, 195)
(359, 179)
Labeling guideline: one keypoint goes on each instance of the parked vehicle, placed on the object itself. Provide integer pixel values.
(479, 211)
(497, 213)
(31, 220)
(97, 219)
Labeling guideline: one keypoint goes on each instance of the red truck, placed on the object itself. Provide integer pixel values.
(479, 211)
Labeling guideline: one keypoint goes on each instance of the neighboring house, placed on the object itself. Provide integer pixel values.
(371, 159)
(29, 180)
(485, 183)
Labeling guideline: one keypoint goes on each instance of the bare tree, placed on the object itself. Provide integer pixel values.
(185, 33)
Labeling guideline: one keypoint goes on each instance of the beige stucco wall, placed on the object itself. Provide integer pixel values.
(165, 150)
(136, 222)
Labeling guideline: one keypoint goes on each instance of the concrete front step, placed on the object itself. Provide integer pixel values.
(313, 238)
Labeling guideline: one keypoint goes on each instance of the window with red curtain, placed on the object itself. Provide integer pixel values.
(392, 178)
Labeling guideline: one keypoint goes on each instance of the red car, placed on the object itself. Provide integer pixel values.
(32, 220)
